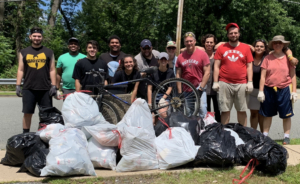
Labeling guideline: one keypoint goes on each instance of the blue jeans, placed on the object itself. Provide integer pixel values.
(189, 104)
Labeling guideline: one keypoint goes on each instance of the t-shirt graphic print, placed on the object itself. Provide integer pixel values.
(37, 62)
(37, 68)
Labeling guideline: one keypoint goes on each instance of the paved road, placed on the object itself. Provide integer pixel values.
(11, 120)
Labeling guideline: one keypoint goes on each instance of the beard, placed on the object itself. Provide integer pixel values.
(36, 43)
(235, 39)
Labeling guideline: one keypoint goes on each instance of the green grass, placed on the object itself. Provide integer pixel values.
(293, 142)
(224, 176)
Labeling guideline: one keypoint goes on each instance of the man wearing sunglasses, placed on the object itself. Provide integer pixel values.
(145, 59)
(193, 65)
(65, 67)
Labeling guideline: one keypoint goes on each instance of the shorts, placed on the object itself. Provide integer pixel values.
(252, 101)
(230, 94)
(31, 97)
(67, 91)
(277, 102)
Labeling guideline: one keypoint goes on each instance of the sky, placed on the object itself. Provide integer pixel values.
(78, 7)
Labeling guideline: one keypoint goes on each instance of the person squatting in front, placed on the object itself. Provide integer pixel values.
(275, 92)
(37, 66)
(233, 75)
(128, 70)
(193, 65)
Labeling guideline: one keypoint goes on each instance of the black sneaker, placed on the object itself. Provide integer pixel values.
(286, 141)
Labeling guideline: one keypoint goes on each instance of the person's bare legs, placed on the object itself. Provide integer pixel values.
(27, 121)
(261, 122)
(287, 123)
(267, 124)
(254, 118)
(225, 117)
(242, 117)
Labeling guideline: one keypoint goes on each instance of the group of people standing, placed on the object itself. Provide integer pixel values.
(224, 73)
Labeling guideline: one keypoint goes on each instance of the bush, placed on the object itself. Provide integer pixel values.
(9, 73)
(6, 53)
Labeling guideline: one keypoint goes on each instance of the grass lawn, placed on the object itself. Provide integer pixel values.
(291, 176)
(293, 142)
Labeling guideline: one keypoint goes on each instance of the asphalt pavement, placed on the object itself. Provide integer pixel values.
(11, 119)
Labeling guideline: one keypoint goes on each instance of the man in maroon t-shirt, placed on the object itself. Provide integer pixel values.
(194, 65)
(233, 75)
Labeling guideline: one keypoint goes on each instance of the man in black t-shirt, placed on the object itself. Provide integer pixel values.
(37, 66)
(114, 56)
(83, 80)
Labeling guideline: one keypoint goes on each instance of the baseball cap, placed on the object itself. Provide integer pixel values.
(145, 43)
(230, 25)
(163, 55)
(73, 39)
(171, 44)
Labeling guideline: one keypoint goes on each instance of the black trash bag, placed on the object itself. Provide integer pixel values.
(178, 119)
(160, 127)
(271, 156)
(20, 147)
(50, 115)
(35, 162)
(218, 147)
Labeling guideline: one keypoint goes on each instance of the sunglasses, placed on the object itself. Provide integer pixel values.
(171, 48)
(189, 34)
(261, 40)
(147, 48)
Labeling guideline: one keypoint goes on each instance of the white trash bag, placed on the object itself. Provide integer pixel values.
(175, 148)
(138, 115)
(50, 130)
(138, 150)
(105, 134)
(79, 109)
(68, 155)
(102, 156)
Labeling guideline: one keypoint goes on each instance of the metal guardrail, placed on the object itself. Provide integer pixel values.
(8, 81)
(11, 82)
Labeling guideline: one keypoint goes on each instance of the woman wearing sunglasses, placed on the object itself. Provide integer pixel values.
(277, 74)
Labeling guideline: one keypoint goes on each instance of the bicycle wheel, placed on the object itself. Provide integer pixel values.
(109, 112)
(184, 97)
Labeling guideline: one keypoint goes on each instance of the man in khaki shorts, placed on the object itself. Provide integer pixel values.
(233, 75)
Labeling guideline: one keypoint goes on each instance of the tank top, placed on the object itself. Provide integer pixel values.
(37, 68)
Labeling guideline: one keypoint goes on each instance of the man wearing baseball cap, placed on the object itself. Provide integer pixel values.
(145, 59)
(233, 75)
(65, 67)
(171, 50)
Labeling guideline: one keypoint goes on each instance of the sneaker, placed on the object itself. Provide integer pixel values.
(286, 141)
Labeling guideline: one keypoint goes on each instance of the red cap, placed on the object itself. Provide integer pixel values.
(230, 25)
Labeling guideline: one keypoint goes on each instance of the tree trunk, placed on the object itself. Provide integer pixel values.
(54, 8)
(17, 28)
(2, 9)
(67, 22)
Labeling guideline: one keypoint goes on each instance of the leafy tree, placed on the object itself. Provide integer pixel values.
(6, 53)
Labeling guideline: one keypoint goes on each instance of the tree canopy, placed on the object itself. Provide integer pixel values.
(135, 20)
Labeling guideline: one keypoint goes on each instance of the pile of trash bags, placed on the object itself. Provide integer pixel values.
(86, 141)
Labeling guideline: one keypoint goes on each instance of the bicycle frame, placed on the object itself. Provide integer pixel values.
(102, 90)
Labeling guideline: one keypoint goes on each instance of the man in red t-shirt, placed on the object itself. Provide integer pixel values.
(233, 75)
(194, 65)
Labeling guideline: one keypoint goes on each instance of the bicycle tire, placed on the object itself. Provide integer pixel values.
(109, 112)
(179, 101)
